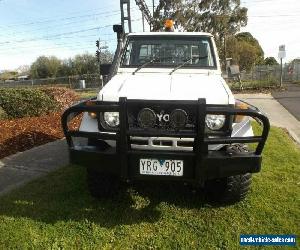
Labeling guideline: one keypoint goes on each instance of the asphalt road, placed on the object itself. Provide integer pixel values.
(290, 99)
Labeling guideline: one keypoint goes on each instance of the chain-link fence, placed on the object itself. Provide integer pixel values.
(271, 74)
(267, 76)
(74, 82)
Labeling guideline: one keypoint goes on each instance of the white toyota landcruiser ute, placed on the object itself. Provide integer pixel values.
(167, 114)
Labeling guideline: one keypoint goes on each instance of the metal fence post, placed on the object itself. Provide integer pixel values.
(281, 72)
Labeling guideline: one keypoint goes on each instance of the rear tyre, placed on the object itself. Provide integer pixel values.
(101, 185)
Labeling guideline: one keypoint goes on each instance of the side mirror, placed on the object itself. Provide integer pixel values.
(105, 69)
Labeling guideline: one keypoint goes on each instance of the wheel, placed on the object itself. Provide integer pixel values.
(233, 188)
(230, 189)
(101, 185)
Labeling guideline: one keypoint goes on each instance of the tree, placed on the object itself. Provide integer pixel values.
(222, 18)
(244, 50)
(248, 55)
(84, 64)
(88, 64)
(271, 61)
(248, 38)
(45, 67)
(66, 67)
(54, 65)
(23, 70)
(7, 75)
(39, 68)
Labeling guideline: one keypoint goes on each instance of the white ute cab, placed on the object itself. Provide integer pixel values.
(167, 114)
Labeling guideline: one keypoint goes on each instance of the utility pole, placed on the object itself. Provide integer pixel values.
(98, 55)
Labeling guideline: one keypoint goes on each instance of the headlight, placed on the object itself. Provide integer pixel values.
(215, 122)
(111, 119)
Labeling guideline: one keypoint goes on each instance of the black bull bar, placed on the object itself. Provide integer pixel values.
(205, 164)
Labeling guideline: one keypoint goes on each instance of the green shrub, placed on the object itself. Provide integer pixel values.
(3, 114)
(21, 102)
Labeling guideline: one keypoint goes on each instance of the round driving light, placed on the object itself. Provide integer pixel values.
(146, 118)
(178, 119)
(215, 122)
(111, 119)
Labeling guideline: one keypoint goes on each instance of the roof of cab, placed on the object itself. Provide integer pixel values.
(170, 34)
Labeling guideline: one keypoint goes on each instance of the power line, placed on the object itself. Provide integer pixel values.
(57, 25)
(57, 43)
(61, 46)
(55, 35)
(58, 35)
(60, 19)
(116, 12)
(49, 27)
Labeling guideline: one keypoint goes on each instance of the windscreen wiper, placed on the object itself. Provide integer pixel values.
(144, 64)
(185, 62)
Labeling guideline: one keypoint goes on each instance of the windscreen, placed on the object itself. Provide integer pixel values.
(166, 51)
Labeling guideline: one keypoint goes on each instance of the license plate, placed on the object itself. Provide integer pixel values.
(161, 167)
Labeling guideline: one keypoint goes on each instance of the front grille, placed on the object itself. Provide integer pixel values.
(162, 143)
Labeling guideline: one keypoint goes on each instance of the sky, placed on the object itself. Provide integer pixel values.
(64, 28)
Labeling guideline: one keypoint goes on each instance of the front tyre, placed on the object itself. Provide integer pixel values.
(229, 189)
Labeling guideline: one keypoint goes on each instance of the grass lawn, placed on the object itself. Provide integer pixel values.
(87, 94)
(57, 212)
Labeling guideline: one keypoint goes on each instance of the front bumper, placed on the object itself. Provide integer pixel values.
(199, 165)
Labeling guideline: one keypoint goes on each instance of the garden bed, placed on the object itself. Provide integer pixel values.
(21, 134)
(31, 117)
